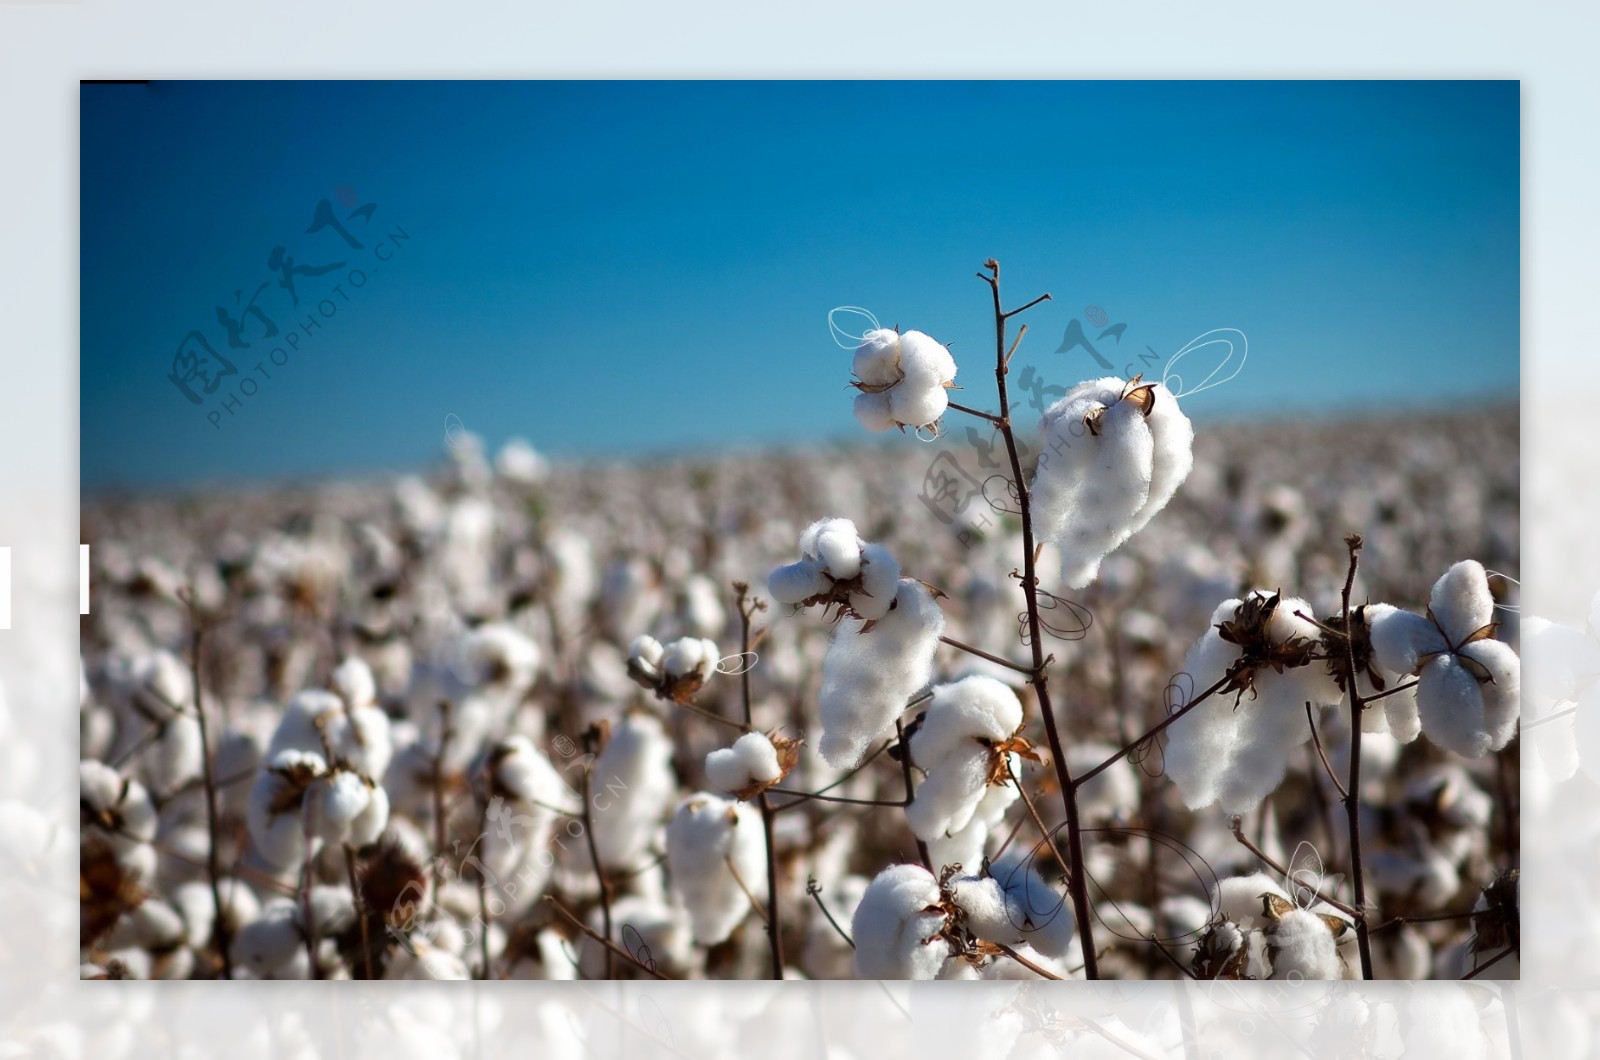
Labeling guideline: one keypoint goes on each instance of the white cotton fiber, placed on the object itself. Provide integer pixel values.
(317, 722)
(1035, 913)
(867, 677)
(274, 812)
(632, 783)
(797, 582)
(897, 926)
(833, 542)
(1301, 946)
(1461, 601)
(954, 746)
(1234, 749)
(902, 378)
(750, 761)
(1089, 486)
(872, 411)
(645, 653)
(1172, 454)
(709, 840)
(689, 656)
(880, 579)
(1468, 697)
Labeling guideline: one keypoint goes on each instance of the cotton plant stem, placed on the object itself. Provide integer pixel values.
(980, 653)
(747, 608)
(1078, 882)
(1352, 798)
(612, 949)
(484, 916)
(600, 877)
(222, 930)
(361, 909)
(905, 771)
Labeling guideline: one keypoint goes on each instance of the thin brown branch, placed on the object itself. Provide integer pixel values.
(1352, 798)
(1316, 741)
(599, 872)
(611, 947)
(747, 608)
(980, 653)
(991, 417)
(222, 929)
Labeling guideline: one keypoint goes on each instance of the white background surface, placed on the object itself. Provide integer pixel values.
(46, 48)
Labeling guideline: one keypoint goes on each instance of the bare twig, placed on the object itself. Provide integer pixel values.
(1030, 589)
(905, 770)
(1352, 797)
(222, 929)
(611, 947)
(747, 608)
(980, 653)
(599, 872)
(1316, 742)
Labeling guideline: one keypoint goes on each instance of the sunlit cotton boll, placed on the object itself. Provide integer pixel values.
(837, 566)
(633, 783)
(1468, 684)
(1301, 945)
(902, 379)
(1234, 747)
(869, 674)
(955, 747)
(1113, 454)
(897, 927)
(277, 801)
(715, 854)
(1015, 904)
(119, 813)
(318, 722)
(752, 760)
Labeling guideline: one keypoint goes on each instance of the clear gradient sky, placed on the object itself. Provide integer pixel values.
(612, 269)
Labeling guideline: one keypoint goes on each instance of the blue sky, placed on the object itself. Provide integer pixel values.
(640, 268)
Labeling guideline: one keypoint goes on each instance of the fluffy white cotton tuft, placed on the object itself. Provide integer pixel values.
(752, 760)
(320, 723)
(868, 675)
(955, 747)
(1468, 696)
(275, 813)
(632, 783)
(715, 854)
(1234, 749)
(902, 378)
(897, 926)
(1106, 468)
(1301, 945)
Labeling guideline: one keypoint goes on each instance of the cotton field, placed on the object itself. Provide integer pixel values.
(826, 713)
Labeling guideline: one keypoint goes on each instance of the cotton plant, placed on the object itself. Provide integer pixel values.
(1261, 931)
(676, 671)
(1468, 684)
(1113, 454)
(716, 863)
(755, 762)
(872, 669)
(967, 744)
(837, 568)
(1013, 905)
(899, 926)
(902, 380)
(1233, 748)
(298, 801)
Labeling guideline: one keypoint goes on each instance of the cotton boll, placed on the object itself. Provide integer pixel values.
(945, 800)
(1461, 602)
(917, 407)
(120, 813)
(269, 942)
(1038, 910)
(973, 708)
(982, 902)
(872, 411)
(1238, 898)
(794, 583)
(368, 825)
(1234, 747)
(1172, 454)
(634, 774)
(964, 847)
(519, 462)
(833, 543)
(316, 721)
(868, 676)
(877, 359)
(353, 682)
(273, 814)
(750, 761)
(707, 836)
(176, 758)
(1090, 485)
(1451, 707)
(1301, 946)
(335, 803)
(880, 578)
(897, 926)
(1399, 638)
(690, 656)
